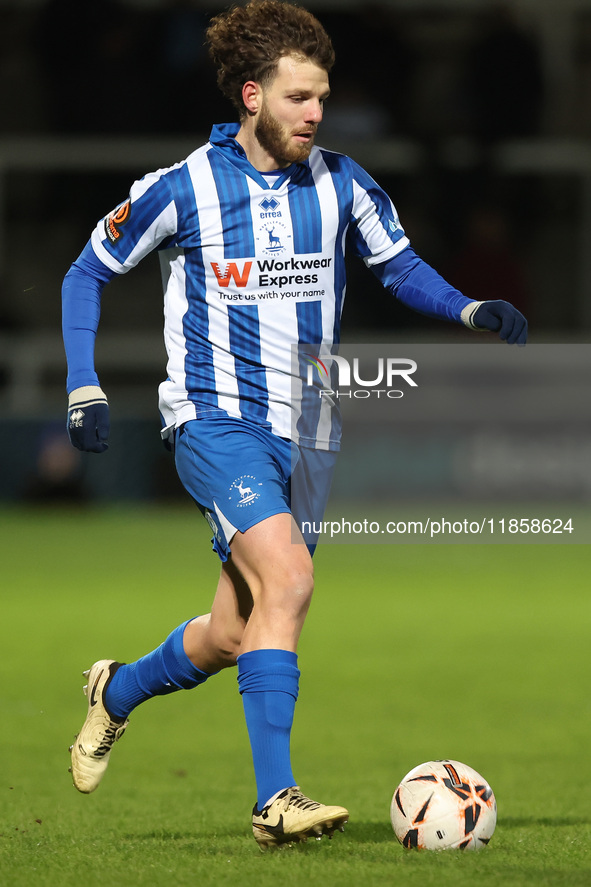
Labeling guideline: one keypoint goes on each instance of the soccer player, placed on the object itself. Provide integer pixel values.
(251, 231)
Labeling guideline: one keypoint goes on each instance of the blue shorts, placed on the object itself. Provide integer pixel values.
(240, 473)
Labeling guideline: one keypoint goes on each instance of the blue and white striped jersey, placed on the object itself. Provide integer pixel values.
(252, 264)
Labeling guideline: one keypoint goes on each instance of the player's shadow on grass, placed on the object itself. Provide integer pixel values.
(355, 832)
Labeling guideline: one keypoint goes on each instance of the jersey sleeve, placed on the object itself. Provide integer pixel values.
(118, 243)
(375, 232)
(378, 237)
(418, 285)
(138, 225)
(81, 307)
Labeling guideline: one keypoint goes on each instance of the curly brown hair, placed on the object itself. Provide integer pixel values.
(246, 43)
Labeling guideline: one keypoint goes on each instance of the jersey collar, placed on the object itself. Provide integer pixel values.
(223, 139)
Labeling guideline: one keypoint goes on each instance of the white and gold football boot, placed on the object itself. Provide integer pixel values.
(290, 816)
(92, 746)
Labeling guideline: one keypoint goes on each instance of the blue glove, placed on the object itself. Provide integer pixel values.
(502, 318)
(88, 419)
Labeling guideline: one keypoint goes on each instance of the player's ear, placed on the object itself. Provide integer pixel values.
(251, 96)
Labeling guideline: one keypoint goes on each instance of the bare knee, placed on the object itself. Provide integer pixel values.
(211, 644)
(288, 592)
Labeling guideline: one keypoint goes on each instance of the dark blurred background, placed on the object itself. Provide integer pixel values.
(473, 115)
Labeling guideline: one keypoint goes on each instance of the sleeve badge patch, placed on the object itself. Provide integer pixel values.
(116, 220)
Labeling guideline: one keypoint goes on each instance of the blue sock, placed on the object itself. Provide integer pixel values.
(164, 670)
(268, 682)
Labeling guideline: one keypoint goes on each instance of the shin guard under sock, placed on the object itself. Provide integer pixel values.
(268, 682)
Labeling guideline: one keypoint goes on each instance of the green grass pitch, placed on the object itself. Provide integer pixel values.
(478, 653)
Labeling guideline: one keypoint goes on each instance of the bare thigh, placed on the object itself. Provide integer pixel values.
(262, 597)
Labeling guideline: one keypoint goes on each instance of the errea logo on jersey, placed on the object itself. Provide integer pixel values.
(269, 203)
(271, 208)
(232, 272)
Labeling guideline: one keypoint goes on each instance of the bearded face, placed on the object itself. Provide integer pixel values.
(290, 109)
(282, 141)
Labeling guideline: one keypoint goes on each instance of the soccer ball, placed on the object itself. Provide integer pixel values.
(442, 805)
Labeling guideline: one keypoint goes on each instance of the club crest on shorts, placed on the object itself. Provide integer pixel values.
(242, 491)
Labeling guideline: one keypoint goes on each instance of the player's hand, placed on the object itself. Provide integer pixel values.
(88, 419)
(502, 318)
